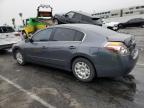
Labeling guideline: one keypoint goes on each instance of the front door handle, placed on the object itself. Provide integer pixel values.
(72, 47)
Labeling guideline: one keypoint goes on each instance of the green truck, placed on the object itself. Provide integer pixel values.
(43, 20)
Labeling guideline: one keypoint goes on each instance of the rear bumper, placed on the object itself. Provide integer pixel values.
(117, 66)
(7, 46)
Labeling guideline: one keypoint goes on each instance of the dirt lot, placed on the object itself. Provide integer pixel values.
(34, 86)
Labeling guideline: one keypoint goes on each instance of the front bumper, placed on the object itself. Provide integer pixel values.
(116, 65)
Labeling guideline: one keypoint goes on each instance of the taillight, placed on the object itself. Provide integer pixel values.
(117, 47)
(17, 34)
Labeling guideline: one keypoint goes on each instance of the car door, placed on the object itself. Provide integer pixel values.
(76, 18)
(140, 21)
(131, 23)
(11, 35)
(63, 45)
(4, 36)
(36, 49)
(87, 20)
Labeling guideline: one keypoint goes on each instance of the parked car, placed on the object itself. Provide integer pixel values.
(111, 25)
(86, 50)
(8, 37)
(76, 17)
(137, 22)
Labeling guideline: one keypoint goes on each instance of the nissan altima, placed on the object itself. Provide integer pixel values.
(88, 51)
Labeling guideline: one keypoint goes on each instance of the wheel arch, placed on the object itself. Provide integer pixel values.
(14, 51)
(85, 57)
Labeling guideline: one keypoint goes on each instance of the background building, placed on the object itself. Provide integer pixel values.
(122, 14)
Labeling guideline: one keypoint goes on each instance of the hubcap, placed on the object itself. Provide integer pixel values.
(82, 70)
(19, 57)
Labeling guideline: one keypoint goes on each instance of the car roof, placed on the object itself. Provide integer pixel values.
(83, 13)
(83, 27)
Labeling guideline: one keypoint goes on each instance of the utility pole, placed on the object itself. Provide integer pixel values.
(13, 22)
(21, 16)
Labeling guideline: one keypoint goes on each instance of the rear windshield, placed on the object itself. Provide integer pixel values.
(6, 29)
(10, 29)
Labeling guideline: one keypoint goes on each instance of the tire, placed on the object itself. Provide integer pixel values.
(56, 22)
(142, 26)
(19, 57)
(79, 67)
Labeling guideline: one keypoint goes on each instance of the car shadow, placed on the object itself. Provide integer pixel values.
(121, 87)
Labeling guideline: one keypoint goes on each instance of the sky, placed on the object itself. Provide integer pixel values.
(11, 8)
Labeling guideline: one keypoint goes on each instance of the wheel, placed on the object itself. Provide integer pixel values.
(56, 22)
(142, 26)
(83, 70)
(19, 57)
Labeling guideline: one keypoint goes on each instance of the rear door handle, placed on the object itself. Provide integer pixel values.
(72, 47)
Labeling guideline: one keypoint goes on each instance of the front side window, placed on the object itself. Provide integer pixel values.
(64, 34)
(43, 35)
(70, 14)
(79, 36)
(131, 21)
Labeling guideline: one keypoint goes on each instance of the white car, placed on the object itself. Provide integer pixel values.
(8, 37)
(111, 25)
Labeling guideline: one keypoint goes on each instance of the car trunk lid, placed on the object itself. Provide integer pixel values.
(127, 40)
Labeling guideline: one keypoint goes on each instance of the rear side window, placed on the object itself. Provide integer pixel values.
(79, 36)
(64, 34)
(43, 35)
(70, 14)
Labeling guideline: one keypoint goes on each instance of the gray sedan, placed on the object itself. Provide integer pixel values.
(86, 50)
